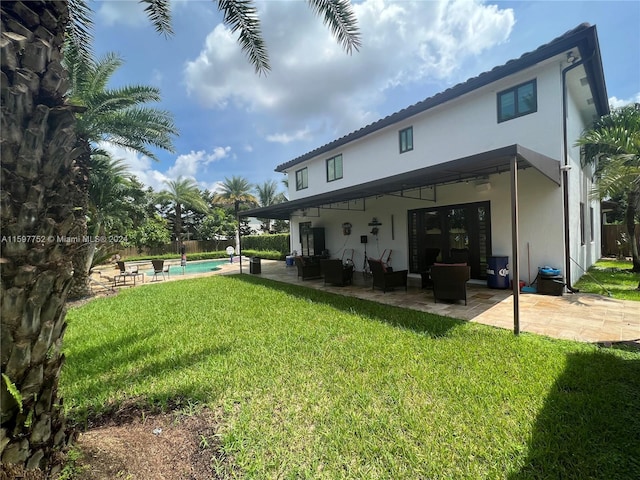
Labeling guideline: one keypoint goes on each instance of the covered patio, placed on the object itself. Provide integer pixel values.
(579, 316)
(509, 159)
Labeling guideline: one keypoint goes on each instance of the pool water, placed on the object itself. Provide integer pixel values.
(202, 266)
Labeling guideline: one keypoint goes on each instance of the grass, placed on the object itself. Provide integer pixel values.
(611, 276)
(315, 385)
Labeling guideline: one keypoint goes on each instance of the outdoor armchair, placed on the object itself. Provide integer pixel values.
(335, 272)
(430, 257)
(121, 278)
(307, 269)
(159, 268)
(385, 278)
(450, 282)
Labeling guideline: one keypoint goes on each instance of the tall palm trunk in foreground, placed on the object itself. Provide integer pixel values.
(41, 206)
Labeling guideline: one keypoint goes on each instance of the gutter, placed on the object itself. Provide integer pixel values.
(565, 173)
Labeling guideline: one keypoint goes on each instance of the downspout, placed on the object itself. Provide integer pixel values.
(565, 173)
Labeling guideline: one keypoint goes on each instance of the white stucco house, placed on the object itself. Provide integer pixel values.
(488, 165)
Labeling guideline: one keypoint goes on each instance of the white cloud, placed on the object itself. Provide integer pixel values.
(129, 12)
(191, 163)
(616, 102)
(122, 12)
(214, 187)
(138, 165)
(187, 165)
(314, 84)
(286, 138)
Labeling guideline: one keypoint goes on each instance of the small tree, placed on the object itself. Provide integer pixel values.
(218, 224)
(153, 233)
(612, 146)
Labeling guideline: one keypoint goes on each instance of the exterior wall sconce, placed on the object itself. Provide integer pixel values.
(375, 224)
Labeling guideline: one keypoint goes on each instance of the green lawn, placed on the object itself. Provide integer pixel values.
(611, 276)
(315, 385)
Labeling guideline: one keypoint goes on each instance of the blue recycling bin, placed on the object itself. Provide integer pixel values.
(498, 272)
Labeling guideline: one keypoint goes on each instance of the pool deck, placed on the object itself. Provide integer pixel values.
(580, 316)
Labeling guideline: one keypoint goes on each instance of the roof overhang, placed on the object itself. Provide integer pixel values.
(454, 171)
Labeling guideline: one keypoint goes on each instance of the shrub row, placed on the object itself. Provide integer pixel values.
(262, 243)
(192, 257)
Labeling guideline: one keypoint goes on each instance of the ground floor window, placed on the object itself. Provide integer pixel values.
(457, 232)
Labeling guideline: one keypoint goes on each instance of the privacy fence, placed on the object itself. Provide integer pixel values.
(616, 241)
(279, 243)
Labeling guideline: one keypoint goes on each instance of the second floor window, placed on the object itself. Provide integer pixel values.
(517, 101)
(334, 168)
(406, 139)
(302, 179)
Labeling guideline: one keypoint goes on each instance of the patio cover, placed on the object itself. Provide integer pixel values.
(459, 170)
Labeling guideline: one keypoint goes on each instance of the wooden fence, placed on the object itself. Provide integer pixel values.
(616, 241)
(191, 246)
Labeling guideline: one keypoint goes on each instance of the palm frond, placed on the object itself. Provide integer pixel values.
(159, 12)
(617, 177)
(183, 191)
(613, 134)
(241, 15)
(341, 20)
(235, 191)
(78, 70)
(109, 101)
(78, 29)
(102, 71)
(138, 128)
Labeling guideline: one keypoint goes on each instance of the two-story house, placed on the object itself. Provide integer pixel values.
(489, 166)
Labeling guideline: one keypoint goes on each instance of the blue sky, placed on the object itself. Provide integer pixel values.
(234, 122)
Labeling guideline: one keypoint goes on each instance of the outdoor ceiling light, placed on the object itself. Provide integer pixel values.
(571, 58)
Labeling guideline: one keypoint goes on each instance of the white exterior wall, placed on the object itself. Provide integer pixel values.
(582, 256)
(465, 126)
(461, 127)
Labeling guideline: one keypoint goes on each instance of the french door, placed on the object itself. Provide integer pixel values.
(457, 231)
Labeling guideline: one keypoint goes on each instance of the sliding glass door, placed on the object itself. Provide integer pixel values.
(459, 233)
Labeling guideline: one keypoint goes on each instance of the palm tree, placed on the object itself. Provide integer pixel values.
(112, 200)
(236, 191)
(118, 116)
(612, 145)
(45, 195)
(268, 195)
(183, 194)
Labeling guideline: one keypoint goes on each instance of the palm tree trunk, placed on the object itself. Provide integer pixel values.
(177, 224)
(42, 202)
(630, 220)
(82, 261)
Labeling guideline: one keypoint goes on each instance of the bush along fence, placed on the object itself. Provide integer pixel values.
(266, 246)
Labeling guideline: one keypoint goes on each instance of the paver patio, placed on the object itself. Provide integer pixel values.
(580, 316)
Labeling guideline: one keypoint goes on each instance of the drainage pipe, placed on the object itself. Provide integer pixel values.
(565, 173)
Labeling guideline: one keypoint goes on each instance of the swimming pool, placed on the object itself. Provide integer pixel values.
(201, 266)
